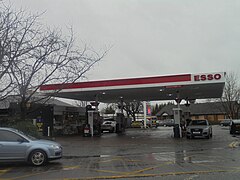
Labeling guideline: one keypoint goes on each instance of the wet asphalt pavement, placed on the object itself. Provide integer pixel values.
(139, 154)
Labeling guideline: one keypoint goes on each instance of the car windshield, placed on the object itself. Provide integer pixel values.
(107, 122)
(227, 120)
(198, 122)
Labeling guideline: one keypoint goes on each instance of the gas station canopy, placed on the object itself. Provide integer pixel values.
(170, 87)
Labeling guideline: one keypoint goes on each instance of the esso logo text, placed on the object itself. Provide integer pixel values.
(207, 77)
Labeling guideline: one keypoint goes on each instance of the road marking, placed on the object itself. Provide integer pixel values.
(119, 159)
(133, 172)
(128, 173)
(4, 171)
(150, 175)
(105, 155)
(110, 160)
(142, 170)
(233, 144)
(150, 168)
(41, 173)
(109, 171)
(203, 161)
(66, 168)
(216, 166)
(192, 177)
(133, 161)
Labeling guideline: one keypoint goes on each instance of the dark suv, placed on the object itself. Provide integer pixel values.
(235, 126)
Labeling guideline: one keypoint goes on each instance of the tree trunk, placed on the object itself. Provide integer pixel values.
(23, 110)
(134, 117)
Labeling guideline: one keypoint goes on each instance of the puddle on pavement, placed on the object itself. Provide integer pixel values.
(179, 157)
(104, 156)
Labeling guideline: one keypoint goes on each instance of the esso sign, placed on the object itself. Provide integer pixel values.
(207, 77)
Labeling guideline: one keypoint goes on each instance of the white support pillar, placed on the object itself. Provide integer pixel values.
(177, 116)
(121, 104)
(145, 114)
(96, 101)
(90, 121)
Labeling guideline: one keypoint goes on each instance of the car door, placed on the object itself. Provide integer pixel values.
(12, 146)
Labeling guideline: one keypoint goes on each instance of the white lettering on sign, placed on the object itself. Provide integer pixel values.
(207, 77)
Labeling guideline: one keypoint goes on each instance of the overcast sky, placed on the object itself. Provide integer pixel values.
(150, 37)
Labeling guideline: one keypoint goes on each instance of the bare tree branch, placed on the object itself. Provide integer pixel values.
(32, 55)
(231, 96)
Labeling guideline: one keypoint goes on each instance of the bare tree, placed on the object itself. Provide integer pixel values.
(133, 108)
(231, 96)
(9, 34)
(110, 109)
(37, 55)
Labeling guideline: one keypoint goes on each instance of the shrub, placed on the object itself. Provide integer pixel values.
(26, 127)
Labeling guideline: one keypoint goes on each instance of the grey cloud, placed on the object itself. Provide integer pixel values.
(151, 37)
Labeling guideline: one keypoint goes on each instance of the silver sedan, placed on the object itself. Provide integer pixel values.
(17, 146)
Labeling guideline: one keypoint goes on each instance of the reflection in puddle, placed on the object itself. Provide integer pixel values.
(166, 156)
(203, 161)
(179, 157)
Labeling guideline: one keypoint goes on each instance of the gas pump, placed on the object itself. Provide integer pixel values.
(120, 126)
(93, 123)
(120, 119)
(177, 118)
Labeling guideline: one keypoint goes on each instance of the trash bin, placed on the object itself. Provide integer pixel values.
(176, 131)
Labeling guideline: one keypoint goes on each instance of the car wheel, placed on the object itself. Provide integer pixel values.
(38, 158)
(188, 137)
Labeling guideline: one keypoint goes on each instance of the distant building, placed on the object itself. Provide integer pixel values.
(212, 111)
(61, 117)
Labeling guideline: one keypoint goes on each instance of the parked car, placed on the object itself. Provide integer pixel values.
(152, 122)
(137, 124)
(235, 126)
(225, 122)
(155, 123)
(166, 122)
(18, 146)
(199, 128)
(108, 126)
